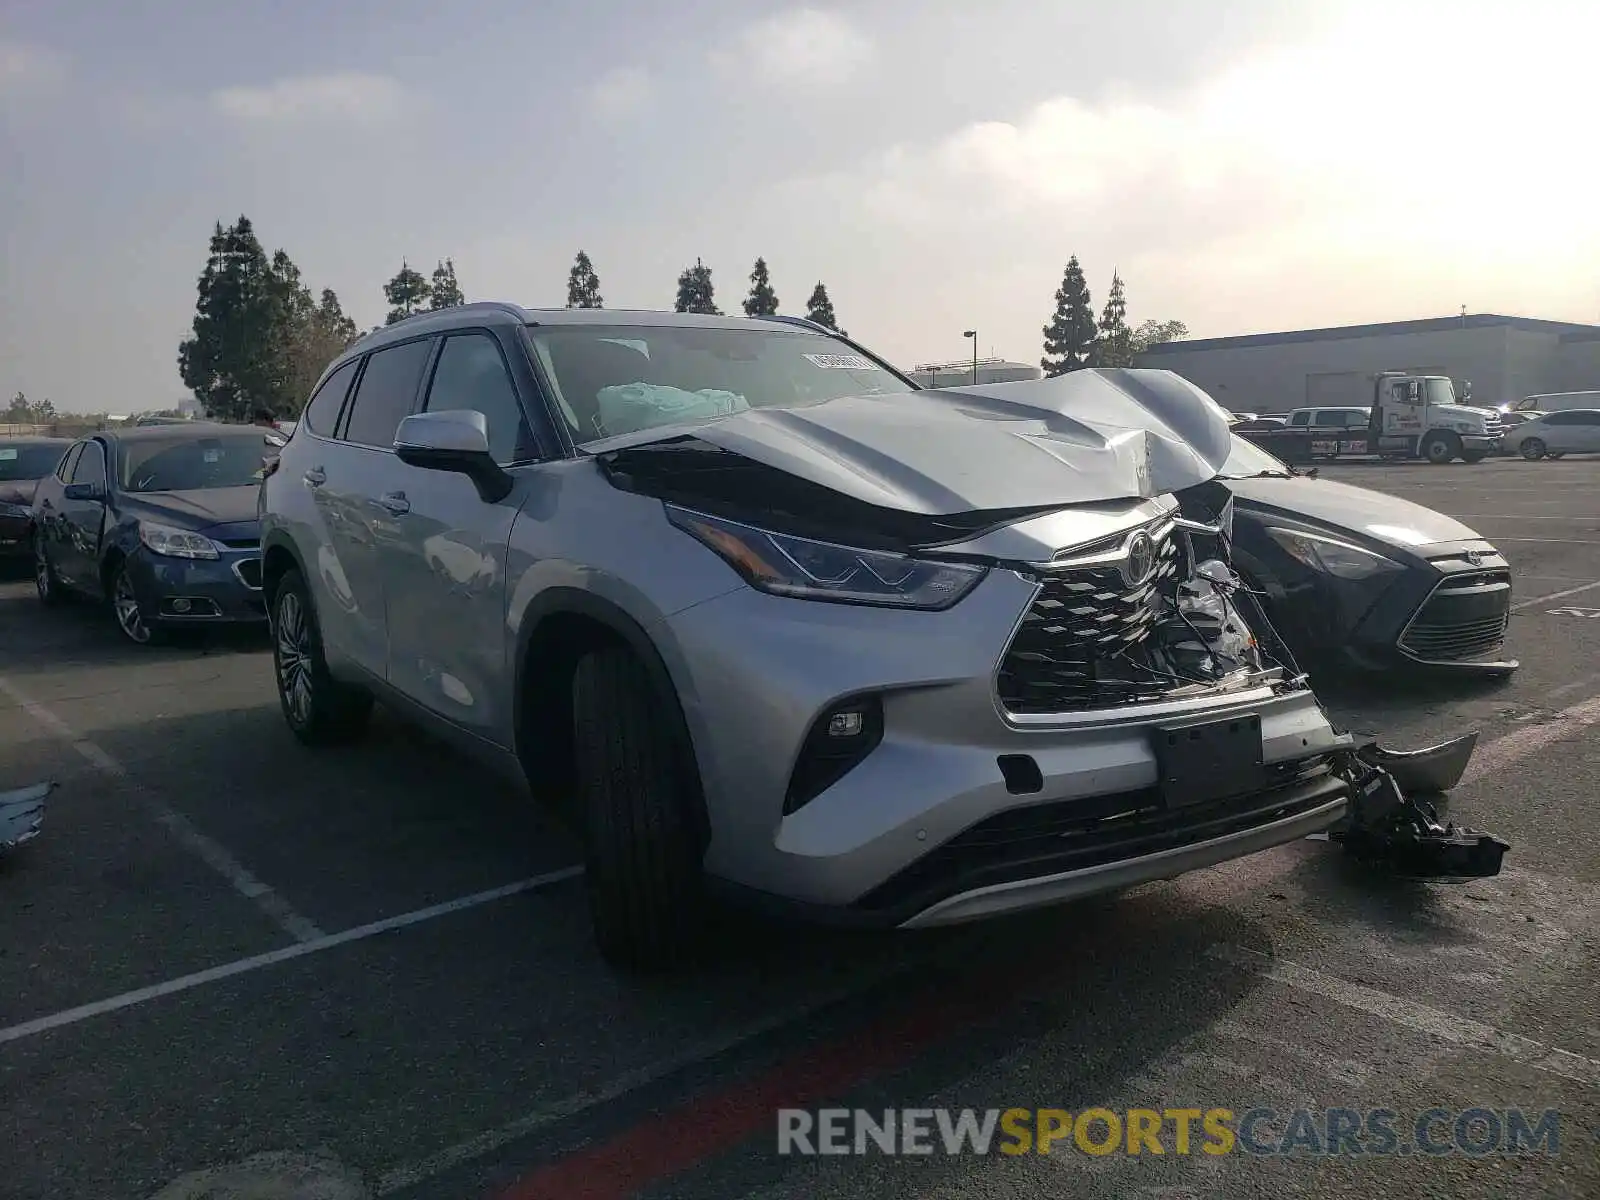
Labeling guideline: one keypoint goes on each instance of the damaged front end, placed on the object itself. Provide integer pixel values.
(1138, 614)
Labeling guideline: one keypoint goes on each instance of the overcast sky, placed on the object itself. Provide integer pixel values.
(1255, 165)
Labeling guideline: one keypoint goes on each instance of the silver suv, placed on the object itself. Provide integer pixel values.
(763, 618)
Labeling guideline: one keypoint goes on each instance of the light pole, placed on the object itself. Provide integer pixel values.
(973, 334)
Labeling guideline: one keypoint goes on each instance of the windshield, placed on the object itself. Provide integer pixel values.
(28, 462)
(188, 464)
(614, 380)
(1439, 391)
(1246, 460)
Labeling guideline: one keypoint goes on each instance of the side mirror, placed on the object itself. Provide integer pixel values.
(457, 440)
(82, 491)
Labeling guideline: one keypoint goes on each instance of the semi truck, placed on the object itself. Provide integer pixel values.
(1409, 416)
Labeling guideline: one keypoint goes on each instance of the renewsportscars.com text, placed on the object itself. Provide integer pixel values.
(1100, 1131)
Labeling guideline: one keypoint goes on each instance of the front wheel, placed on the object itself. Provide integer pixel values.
(1533, 449)
(320, 710)
(125, 608)
(1439, 448)
(643, 858)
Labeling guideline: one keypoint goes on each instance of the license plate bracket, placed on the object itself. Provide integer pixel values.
(1206, 760)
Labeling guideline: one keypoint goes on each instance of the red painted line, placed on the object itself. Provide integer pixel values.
(682, 1138)
(718, 1122)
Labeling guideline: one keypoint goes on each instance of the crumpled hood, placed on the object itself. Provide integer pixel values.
(18, 491)
(196, 510)
(1088, 436)
(1375, 514)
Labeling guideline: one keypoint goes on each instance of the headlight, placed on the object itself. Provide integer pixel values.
(175, 543)
(809, 570)
(1339, 559)
(8, 509)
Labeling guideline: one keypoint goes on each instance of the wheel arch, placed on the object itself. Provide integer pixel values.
(557, 629)
(278, 556)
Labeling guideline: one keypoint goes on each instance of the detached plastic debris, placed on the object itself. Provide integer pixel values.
(21, 814)
(1401, 833)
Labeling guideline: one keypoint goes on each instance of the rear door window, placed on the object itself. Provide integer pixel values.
(386, 393)
(322, 412)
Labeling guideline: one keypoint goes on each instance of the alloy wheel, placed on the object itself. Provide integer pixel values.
(292, 646)
(126, 606)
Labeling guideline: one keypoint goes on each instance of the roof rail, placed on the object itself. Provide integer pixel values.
(803, 322)
(503, 306)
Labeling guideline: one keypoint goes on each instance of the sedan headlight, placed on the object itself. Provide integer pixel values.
(175, 543)
(8, 509)
(1332, 557)
(784, 565)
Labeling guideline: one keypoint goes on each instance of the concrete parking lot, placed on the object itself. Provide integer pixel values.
(224, 945)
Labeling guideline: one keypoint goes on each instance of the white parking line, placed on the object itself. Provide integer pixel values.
(1435, 1022)
(1526, 740)
(1588, 587)
(328, 941)
(206, 849)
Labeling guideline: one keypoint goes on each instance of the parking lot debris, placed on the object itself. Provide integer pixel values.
(1401, 833)
(22, 814)
(276, 1175)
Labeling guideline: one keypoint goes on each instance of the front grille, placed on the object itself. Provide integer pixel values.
(1070, 651)
(1464, 618)
(1076, 835)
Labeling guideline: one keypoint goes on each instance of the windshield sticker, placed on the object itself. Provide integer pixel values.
(212, 456)
(842, 362)
(9, 453)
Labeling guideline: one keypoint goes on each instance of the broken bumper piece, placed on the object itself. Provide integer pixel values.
(22, 814)
(1401, 833)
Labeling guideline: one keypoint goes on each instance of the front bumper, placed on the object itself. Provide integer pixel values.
(186, 592)
(1488, 443)
(755, 672)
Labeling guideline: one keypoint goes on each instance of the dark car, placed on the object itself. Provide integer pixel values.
(160, 522)
(1365, 577)
(23, 462)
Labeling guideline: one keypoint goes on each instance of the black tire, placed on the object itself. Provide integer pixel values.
(646, 891)
(319, 710)
(1474, 457)
(1557, 457)
(1532, 449)
(1440, 448)
(45, 580)
(123, 599)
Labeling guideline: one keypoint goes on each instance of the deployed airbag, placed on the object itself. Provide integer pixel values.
(650, 405)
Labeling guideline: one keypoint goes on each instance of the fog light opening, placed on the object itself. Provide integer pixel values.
(840, 738)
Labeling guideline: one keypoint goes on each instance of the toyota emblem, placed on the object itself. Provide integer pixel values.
(1138, 559)
(1474, 558)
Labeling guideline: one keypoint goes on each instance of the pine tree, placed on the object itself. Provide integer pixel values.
(233, 362)
(762, 300)
(20, 410)
(583, 285)
(1114, 345)
(323, 334)
(1070, 336)
(695, 291)
(820, 309)
(406, 293)
(445, 291)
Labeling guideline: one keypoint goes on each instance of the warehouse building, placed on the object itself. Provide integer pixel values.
(958, 371)
(1503, 358)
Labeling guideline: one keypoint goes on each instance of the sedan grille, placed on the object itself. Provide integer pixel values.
(1069, 653)
(1464, 618)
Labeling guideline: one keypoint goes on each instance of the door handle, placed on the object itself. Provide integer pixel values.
(395, 502)
(315, 477)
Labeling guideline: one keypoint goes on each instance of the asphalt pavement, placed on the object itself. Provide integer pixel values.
(373, 966)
